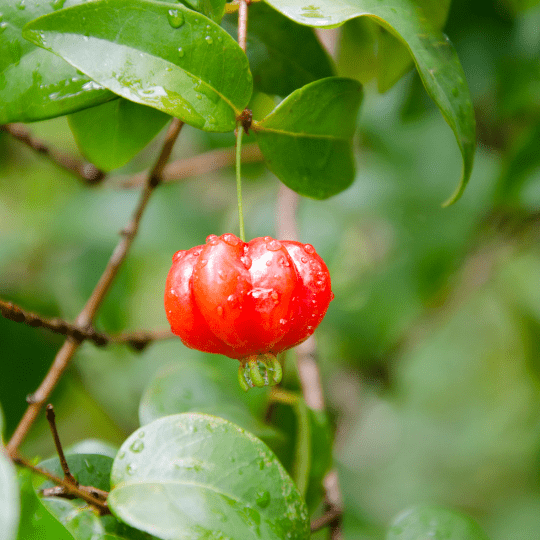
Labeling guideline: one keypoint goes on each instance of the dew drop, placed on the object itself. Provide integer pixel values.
(57, 4)
(176, 18)
(203, 263)
(304, 260)
(273, 245)
(178, 255)
(131, 468)
(21, 5)
(209, 40)
(274, 296)
(283, 322)
(320, 284)
(208, 27)
(232, 299)
(220, 311)
(231, 239)
(246, 261)
(89, 467)
(267, 238)
(137, 446)
(308, 248)
(198, 96)
(122, 455)
(220, 39)
(211, 238)
(181, 52)
(263, 499)
(268, 263)
(3, 26)
(221, 274)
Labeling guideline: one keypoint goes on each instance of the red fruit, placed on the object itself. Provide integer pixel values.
(248, 301)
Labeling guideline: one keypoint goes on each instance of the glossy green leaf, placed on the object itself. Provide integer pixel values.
(83, 523)
(306, 139)
(169, 58)
(194, 476)
(9, 498)
(112, 134)
(434, 522)
(36, 520)
(198, 387)
(214, 9)
(283, 55)
(35, 84)
(432, 52)
(92, 446)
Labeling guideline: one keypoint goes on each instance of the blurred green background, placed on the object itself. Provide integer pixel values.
(430, 350)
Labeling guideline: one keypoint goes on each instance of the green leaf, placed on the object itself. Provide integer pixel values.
(432, 52)
(433, 522)
(198, 387)
(306, 139)
(214, 9)
(112, 134)
(169, 58)
(35, 84)
(36, 520)
(283, 55)
(208, 479)
(82, 521)
(9, 498)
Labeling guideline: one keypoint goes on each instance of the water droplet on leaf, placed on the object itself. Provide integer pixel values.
(176, 18)
(209, 40)
(131, 468)
(137, 446)
(263, 499)
(181, 52)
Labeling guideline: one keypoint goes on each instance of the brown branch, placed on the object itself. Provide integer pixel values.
(308, 369)
(68, 477)
(242, 23)
(64, 355)
(87, 172)
(95, 497)
(138, 339)
(199, 165)
(15, 313)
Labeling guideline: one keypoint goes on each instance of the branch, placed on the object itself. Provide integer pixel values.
(199, 165)
(91, 495)
(87, 172)
(64, 355)
(242, 23)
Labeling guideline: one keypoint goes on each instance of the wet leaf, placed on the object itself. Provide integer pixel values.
(9, 498)
(169, 58)
(35, 84)
(207, 478)
(306, 139)
(434, 56)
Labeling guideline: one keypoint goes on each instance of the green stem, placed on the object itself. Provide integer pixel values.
(239, 133)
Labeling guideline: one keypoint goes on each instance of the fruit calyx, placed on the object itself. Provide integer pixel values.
(259, 370)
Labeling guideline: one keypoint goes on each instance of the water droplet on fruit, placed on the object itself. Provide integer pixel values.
(246, 261)
(267, 238)
(320, 284)
(203, 263)
(176, 18)
(273, 245)
(308, 248)
(210, 237)
(181, 52)
(221, 274)
(268, 263)
(283, 262)
(220, 311)
(137, 446)
(178, 255)
(274, 296)
(263, 499)
(332, 296)
(131, 468)
(304, 260)
(233, 300)
(209, 40)
(283, 322)
(231, 239)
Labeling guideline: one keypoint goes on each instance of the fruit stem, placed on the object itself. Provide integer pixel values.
(239, 133)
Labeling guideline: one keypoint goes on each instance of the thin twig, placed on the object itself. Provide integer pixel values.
(91, 495)
(87, 172)
(199, 165)
(68, 477)
(138, 339)
(242, 23)
(308, 370)
(15, 313)
(64, 355)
